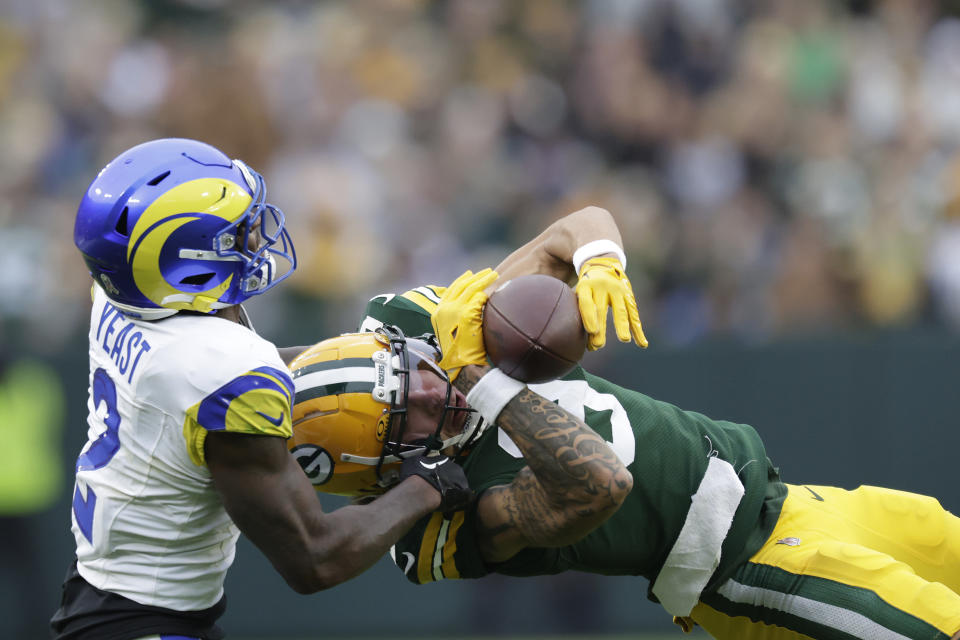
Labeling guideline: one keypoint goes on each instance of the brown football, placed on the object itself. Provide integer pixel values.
(532, 329)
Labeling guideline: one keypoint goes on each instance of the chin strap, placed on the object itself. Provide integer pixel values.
(143, 313)
(200, 302)
(262, 277)
(474, 427)
(472, 430)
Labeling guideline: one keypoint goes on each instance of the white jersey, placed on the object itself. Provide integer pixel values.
(147, 519)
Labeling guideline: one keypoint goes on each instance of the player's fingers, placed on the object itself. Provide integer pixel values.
(476, 283)
(621, 320)
(457, 286)
(588, 310)
(636, 328)
(594, 343)
(469, 284)
(601, 332)
(483, 279)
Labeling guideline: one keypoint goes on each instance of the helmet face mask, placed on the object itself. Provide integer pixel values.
(167, 226)
(259, 271)
(354, 411)
(402, 358)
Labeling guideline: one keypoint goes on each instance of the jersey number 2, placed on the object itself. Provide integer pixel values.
(100, 451)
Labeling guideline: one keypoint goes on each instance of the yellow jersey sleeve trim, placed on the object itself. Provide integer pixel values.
(427, 546)
(195, 437)
(257, 402)
(437, 549)
(449, 566)
(260, 412)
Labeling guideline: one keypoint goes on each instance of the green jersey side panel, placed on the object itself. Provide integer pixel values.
(666, 449)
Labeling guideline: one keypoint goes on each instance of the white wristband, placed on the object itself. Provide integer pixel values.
(492, 393)
(594, 249)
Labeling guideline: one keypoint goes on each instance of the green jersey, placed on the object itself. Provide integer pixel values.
(666, 449)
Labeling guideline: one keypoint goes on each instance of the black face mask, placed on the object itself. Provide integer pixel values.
(412, 354)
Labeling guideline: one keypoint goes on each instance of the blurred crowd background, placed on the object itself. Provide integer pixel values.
(776, 166)
(779, 168)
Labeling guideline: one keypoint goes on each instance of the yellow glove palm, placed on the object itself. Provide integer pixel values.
(603, 285)
(457, 321)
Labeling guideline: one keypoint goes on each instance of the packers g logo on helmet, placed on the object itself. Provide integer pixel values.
(315, 462)
(175, 224)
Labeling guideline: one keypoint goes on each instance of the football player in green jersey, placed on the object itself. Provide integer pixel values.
(723, 542)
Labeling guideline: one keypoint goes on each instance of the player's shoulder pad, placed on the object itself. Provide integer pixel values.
(206, 355)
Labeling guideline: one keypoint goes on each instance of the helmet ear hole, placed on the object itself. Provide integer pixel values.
(121, 226)
(198, 279)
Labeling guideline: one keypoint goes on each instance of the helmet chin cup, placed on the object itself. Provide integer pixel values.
(473, 428)
(260, 271)
(262, 279)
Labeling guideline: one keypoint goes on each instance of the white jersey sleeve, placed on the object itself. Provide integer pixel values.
(148, 523)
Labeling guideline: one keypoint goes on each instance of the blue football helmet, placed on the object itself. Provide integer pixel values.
(166, 227)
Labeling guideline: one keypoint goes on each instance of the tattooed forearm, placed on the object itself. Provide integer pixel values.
(564, 451)
(573, 480)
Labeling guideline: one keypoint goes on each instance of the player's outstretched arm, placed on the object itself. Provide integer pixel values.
(272, 502)
(551, 252)
(585, 247)
(572, 484)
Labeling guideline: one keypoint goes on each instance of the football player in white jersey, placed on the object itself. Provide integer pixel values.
(189, 409)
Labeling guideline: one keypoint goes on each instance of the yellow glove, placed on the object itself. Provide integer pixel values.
(457, 321)
(603, 285)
